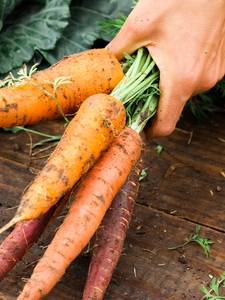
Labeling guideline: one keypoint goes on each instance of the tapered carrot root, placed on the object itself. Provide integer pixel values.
(24, 235)
(92, 72)
(110, 238)
(90, 203)
(98, 121)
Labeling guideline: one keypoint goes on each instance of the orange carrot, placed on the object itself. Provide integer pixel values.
(90, 203)
(110, 237)
(93, 71)
(98, 121)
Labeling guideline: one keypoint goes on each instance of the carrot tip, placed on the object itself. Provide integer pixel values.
(10, 224)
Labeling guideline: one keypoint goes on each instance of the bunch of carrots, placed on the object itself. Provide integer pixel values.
(95, 166)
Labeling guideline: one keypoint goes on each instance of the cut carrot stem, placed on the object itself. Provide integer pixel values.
(90, 72)
(110, 238)
(90, 203)
(98, 121)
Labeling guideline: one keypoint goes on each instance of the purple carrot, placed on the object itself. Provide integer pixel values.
(23, 236)
(110, 238)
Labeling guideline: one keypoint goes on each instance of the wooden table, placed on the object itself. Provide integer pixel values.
(184, 188)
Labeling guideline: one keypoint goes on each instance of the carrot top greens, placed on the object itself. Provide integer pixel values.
(139, 89)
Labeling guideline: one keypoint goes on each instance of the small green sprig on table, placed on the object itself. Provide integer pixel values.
(204, 242)
(213, 293)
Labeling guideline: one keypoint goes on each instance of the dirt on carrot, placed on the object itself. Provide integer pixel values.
(91, 72)
(98, 121)
(90, 203)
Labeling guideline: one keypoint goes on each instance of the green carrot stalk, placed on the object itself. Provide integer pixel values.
(139, 89)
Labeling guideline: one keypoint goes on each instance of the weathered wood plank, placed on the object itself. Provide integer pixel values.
(167, 212)
(194, 191)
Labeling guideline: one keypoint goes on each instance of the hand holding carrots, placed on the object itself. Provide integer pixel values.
(187, 42)
(93, 158)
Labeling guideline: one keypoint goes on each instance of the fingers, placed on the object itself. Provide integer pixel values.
(135, 32)
(168, 113)
(176, 89)
(174, 94)
(119, 45)
(190, 60)
(123, 42)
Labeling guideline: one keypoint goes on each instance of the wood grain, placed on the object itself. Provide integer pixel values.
(184, 187)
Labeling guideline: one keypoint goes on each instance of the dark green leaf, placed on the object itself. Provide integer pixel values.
(6, 7)
(36, 27)
(84, 29)
(2, 8)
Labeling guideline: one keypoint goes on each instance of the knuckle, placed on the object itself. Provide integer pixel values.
(166, 129)
(209, 82)
(163, 129)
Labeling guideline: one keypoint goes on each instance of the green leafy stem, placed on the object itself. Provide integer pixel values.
(213, 293)
(204, 242)
(49, 138)
(139, 89)
(25, 76)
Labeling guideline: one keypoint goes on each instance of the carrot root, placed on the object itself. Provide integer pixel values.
(110, 238)
(100, 118)
(91, 72)
(23, 236)
(90, 203)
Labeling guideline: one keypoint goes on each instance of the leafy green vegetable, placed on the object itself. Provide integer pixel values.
(6, 7)
(51, 29)
(204, 242)
(38, 27)
(84, 29)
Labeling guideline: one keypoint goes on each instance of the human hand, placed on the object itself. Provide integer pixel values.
(186, 39)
